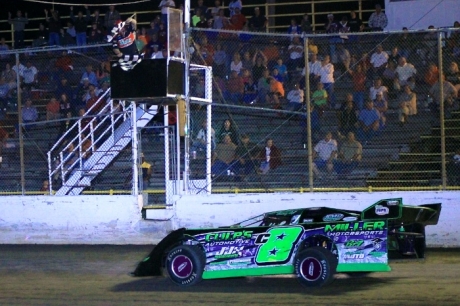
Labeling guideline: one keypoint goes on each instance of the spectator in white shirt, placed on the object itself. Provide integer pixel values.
(295, 51)
(324, 154)
(30, 75)
(326, 76)
(295, 97)
(314, 67)
(379, 61)
(378, 88)
(404, 72)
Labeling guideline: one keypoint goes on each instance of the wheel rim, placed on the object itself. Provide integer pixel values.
(182, 266)
(311, 269)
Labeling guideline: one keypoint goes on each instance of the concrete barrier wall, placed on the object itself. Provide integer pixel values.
(75, 220)
(117, 219)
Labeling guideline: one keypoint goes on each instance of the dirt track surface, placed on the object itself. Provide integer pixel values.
(98, 275)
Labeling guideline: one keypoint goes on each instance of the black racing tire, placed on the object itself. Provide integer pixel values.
(185, 265)
(315, 267)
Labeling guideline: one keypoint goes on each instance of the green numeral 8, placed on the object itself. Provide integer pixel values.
(277, 245)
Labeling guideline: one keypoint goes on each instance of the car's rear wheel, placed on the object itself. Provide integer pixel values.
(315, 267)
(185, 265)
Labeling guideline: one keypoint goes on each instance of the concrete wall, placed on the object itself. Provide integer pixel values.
(75, 220)
(117, 219)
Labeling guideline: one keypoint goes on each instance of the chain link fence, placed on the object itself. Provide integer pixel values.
(377, 117)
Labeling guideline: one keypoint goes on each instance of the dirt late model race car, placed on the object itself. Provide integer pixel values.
(312, 243)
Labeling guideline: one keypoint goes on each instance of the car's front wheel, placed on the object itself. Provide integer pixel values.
(185, 265)
(315, 267)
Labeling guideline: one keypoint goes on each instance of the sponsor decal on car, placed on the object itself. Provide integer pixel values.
(332, 217)
(381, 210)
(392, 203)
(348, 219)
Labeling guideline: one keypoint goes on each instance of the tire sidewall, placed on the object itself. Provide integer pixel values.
(185, 260)
(314, 267)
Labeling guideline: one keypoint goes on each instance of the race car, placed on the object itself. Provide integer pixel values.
(313, 243)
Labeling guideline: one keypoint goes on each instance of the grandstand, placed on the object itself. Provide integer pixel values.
(399, 157)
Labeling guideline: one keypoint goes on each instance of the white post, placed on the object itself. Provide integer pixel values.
(208, 96)
(135, 149)
(166, 148)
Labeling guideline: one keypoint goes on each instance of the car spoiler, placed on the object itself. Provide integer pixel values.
(426, 214)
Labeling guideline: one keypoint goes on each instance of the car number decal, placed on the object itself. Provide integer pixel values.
(277, 245)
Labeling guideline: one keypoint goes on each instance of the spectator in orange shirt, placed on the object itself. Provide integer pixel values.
(53, 109)
(272, 54)
(276, 92)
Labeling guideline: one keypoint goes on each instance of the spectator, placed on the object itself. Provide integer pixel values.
(295, 98)
(379, 61)
(81, 25)
(202, 22)
(404, 73)
(245, 156)
(63, 65)
(431, 75)
(42, 36)
(378, 88)
(349, 156)
(9, 76)
(315, 120)
(429, 43)
(453, 168)
(54, 27)
(381, 105)
(295, 51)
(45, 186)
(258, 22)
(305, 25)
(228, 128)
(449, 91)
(389, 76)
(394, 56)
(250, 87)
(344, 28)
(206, 50)
(3, 138)
(332, 26)
(200, 142)
(259, 64)
(272, 53)
(154, 26)
(347, 117)
(407, 105)
(294, 28)
(235, 88)
(319, 98)
(453, 75)
(358, 77)
(30, 75)
(233, 5)
(29, 113)
(64, 88)
(378, 21)
(72, 32)
(18, 23)
(53, 109)
(97, 20)
(4, 95)
(95, 35)
(282, 69)
(324, 153)
(326, 76)
(276, 92)
(19, 69)
(237, 20)
(355, 24)
(219, 61)
(224, 156)
(89, 74)
(314, 67)
(270, 157)
(236, 64)
(221, 21)
(368, 122)
(343, 57)
(112, 16)
(203, 8)
(277, 76)
(146, 171)
(65, 39)
(197, 17)
(214, 11)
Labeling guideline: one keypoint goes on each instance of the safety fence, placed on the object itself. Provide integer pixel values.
(376, 117)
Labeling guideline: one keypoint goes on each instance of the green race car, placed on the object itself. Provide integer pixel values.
(312, 243)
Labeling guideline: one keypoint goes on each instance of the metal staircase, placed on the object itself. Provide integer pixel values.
(78, 160)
